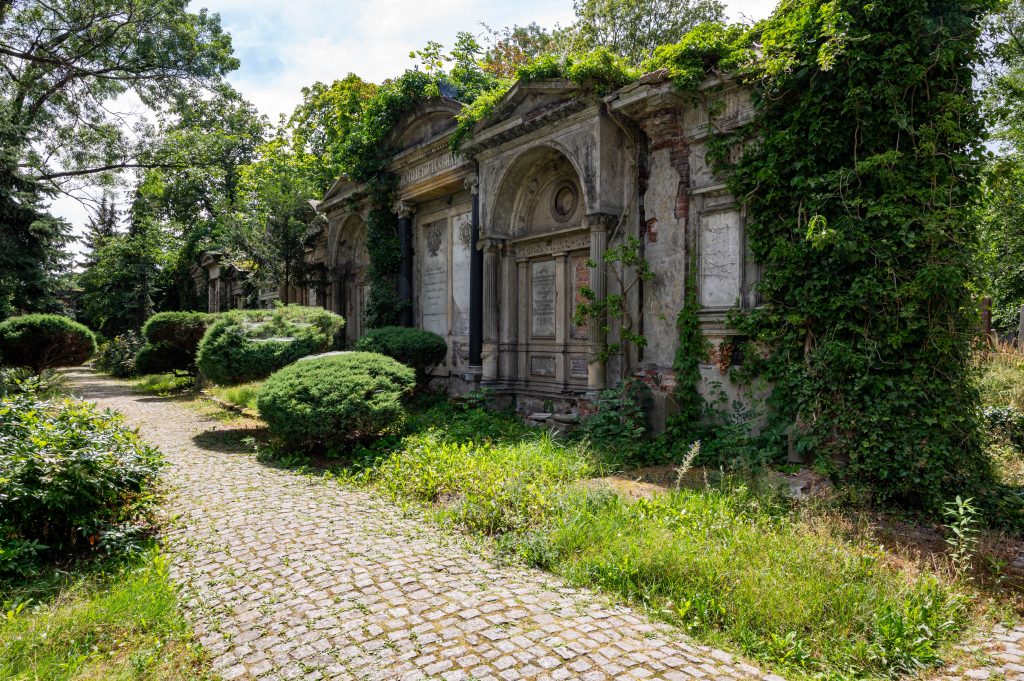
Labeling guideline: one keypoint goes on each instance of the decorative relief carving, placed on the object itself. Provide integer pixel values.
(466, 233)
(434, 238)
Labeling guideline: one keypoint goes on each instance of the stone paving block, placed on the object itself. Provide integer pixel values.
(285, 577)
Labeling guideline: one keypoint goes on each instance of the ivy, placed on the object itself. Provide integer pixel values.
(859, 192)
(692, 349)
(598, 72)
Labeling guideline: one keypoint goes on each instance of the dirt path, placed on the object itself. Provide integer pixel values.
(288, 578)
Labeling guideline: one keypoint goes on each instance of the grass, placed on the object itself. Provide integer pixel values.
(162, 384)
(243, 395)
(117, 620)
(795, 587)
(1000, 380)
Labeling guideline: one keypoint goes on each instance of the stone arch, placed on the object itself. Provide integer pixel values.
(541, 191)
(349, 260)
(428, 119)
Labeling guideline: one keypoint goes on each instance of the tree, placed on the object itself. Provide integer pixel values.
(633, 28)
(509, 49)
(65, 60)
(32, 242)
(102, 225)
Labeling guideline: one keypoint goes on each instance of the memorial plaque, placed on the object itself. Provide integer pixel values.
(434, 278)
(543, 307)
(578, 366)
(720, 259)
(542, 366)
(461, 229)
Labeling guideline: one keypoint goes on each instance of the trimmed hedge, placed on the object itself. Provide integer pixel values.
(249, 345)
(421, 350)
(334, 400)
(172, 342)
(45, 341)
(71, 479)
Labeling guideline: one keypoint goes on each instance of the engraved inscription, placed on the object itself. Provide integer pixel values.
(542, 365)
(424, 170)
(720, 259)
(543, 307)
(578, 366)
(434, 280)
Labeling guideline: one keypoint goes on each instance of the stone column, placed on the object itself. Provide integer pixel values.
(405, 211)
(489, 354)
(476, 283)
(522, 304)
(336, 293)
(598, 224)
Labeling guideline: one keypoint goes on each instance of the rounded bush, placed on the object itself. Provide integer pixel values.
(249, 345)
(45, 341)
(333, 400)
(421, 350)
(172, 341)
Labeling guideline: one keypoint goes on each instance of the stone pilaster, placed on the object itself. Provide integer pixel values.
(405, 268)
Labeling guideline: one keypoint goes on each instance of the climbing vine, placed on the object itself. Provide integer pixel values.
(692, 349)
(859, 191)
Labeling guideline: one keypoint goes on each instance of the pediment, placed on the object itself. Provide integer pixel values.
(528, 99)
(429, 119)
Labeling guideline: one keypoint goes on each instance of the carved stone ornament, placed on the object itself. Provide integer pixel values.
(466, 233)
(404, 210)
(434, 239)
(472, 183)
(563, 201)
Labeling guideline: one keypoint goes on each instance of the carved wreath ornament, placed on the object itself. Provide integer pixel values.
(434, 239)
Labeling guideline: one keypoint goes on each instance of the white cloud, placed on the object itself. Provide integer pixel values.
(285, 45)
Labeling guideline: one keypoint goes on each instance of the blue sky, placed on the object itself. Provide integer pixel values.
(284, 45)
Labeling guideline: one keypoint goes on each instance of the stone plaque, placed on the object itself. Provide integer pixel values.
(720, 259)
(578, 366)
(433, 292)
(541, 365)
(580, 280)
(543, 305)
(461, 227)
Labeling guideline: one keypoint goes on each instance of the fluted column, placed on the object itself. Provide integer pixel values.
(489, 354)
(476, 282)
(596, 369)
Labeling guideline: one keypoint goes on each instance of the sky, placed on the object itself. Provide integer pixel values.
(284, 45)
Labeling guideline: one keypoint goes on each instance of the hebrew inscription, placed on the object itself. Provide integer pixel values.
(543, 307)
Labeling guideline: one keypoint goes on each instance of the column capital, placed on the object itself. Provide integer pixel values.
(601, 222)
(404, 209)
(473, 184)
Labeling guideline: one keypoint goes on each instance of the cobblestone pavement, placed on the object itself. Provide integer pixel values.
(998, 656)
(291, 578)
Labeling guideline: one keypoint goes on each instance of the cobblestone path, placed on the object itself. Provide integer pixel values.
(290, 578)
(998, 656)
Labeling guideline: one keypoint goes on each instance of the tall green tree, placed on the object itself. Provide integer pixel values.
(634, 28)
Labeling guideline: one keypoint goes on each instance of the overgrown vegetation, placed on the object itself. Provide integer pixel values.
(117, 355)
(72, 480)
(415, 348)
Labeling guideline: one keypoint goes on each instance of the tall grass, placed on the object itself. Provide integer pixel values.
(117, 623)
(243, 395)
(162, 384)
(735, 567)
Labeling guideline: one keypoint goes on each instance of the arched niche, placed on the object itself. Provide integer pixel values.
(540, 193)
(349, 260)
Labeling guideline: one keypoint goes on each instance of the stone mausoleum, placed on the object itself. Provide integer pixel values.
(497, 239)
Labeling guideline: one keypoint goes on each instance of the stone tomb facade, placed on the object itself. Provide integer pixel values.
(546, 184)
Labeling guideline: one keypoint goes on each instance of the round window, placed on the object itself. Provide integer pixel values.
(563, 202)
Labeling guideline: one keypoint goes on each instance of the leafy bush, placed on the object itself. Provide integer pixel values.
(69, 475)
(1005, 424)
(421, 350)
(249, 345)
(172, 341)
(620, 418)
(331, 401)
(44, 341)
(117, 357)
(20, 380)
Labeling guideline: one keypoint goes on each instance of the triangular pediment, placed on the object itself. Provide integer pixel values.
(531, 98)
(430, 118)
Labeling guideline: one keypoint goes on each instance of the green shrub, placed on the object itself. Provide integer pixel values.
(117, 357)
(172, 341)
(44, 341)
(331, 401)
(21, 380)
(249, 345)
(421, 350)
(620, 419)
(70, 478)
